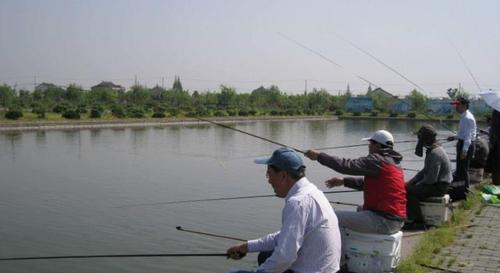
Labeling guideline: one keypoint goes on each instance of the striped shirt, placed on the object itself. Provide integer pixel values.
(309, 239)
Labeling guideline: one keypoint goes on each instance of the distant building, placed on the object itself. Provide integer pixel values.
(157, 91)
(439, 106)
(379, 91)
(400, 107)
(359, 104)
(46, 86)
(108, 85)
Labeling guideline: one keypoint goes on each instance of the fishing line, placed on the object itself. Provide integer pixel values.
(465, 64)
(392, 69)
(116, 256)
(250, 134)
(179, 228)
(221, 199)
(325, 58)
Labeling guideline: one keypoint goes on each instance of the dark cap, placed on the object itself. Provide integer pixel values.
(460, 100)
(427, 131)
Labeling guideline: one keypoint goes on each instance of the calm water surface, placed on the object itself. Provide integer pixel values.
(74, 192)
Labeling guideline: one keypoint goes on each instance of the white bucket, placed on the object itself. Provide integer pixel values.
(371, 253)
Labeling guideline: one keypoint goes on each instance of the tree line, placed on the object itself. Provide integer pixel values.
(139, 101)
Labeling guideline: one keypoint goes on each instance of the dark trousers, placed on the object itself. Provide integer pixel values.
(461, 172)
(417, 193)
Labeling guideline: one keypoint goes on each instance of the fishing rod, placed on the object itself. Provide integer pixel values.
(222, 198)
(116, 256)
(179, 228)
(392, 69)
(466, 66)
(399, 74)
(250, 134)
(343, 203)
(325, 58)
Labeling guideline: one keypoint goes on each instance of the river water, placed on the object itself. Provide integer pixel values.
(90, 192)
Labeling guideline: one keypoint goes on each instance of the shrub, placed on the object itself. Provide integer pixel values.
(118, 112)
(356, 114)
(173, 112)
(289, 112)
(135, 112)
(220, 113)
(59, 109)
(393, 115)
(158, 115)
(13, 114)
(231, 112)
(374, 114)
(252, 112)
(274, 113)
(449, 116)
(40, 112)
(243, 113)
(71, 114)
(412, 115)
(339, 112)
(95, 113)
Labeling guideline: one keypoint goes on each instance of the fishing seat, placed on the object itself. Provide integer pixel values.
(371, 253)
(436, 210)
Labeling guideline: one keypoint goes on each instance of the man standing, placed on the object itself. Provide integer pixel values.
(309, 239)
(384, 208)
(432, 180)
(466, 135)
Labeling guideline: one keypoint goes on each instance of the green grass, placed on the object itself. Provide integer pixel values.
(434, 240)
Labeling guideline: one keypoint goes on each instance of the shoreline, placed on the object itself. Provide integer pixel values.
(133, 123)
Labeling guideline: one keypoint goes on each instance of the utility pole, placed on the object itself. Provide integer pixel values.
(135, 79)
(34, 83)
(305, 90)
(162, 82)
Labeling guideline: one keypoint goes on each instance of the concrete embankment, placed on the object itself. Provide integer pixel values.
(130, 123)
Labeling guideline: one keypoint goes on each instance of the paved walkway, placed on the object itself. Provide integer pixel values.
(477, 249)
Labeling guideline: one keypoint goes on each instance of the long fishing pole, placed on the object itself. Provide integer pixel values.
(465, 64)
(392, 69)
(250, 134)
(325, 58)
(222, 198)
(343, 203)
(179, 228)
(399, 74)
(116, 256)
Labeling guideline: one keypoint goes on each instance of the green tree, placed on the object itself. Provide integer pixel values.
(74, 94)
(454, 93)
(177, 84)
(7, 95)
(418, 101)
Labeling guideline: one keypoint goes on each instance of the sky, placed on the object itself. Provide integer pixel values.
(295, 45)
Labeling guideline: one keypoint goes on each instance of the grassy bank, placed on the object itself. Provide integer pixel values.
(434, 240)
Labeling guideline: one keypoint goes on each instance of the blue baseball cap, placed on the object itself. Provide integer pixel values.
(284, 159)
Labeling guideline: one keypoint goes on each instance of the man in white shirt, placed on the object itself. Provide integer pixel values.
(309, 239)
(466, 135)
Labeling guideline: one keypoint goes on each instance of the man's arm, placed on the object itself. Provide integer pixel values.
(291, 238)
(366, 166)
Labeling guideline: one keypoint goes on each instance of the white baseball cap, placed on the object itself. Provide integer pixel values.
(383, 137)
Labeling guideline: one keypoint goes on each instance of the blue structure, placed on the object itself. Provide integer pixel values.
(402, 106)
(478, 106)
(439, 106)
(359, 104)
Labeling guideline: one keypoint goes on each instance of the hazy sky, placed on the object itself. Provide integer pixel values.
(238, 43)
